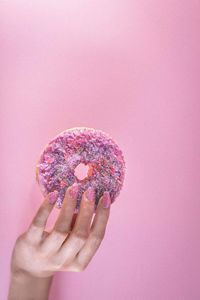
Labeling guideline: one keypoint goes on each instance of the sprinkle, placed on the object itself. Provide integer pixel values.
(63, 184)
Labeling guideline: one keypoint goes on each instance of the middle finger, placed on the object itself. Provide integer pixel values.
(81, 229)
(82, 225)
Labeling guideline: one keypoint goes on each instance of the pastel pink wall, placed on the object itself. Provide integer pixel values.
(132, 69)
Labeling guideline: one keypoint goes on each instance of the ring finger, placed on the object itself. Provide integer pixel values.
(81, 229)
(96, 235)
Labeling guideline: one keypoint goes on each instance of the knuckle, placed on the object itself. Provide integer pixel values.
(87, 210)
(97, 241)
(38, 221)
(40, 216)
(76, 267)
(59, 234)
(99, 236)
(57, 264)
(80, 235)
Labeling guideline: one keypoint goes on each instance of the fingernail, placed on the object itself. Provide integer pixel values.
(106, 199)
(90, 194)
(73, 190)
(53, 197)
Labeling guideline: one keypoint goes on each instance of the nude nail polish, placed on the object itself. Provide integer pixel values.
(90, 194)
(73, 190)
(53, 197)
(106, 200)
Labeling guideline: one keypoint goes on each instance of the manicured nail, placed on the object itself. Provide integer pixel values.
(106, 199)
(53, 197)
(73, 190)
(90, 194)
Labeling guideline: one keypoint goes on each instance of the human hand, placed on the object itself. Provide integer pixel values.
(71, 244)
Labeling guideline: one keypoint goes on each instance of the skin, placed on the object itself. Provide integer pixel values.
(70, 246)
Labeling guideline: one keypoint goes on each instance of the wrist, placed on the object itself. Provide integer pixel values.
(25, 286)
(24, 277)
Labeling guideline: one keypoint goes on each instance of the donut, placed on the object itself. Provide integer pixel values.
(55, 169)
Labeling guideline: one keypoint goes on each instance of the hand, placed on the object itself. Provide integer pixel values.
(72, 242)
(41, 254)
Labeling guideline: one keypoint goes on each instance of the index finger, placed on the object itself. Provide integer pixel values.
(39, 221)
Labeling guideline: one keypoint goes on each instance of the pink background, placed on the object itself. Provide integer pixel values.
(132, 69)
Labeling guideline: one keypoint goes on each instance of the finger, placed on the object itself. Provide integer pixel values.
(39, 221)
(81, 229)
(62, 226)
(96, 235)
(82, 225)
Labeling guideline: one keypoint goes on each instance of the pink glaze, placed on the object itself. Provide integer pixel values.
(94, 148)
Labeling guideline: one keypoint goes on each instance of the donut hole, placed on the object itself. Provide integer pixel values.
(82, 171)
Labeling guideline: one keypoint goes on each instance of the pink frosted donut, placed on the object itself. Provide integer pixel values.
(57, 163)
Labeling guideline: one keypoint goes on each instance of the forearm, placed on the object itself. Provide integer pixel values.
(26, 287)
